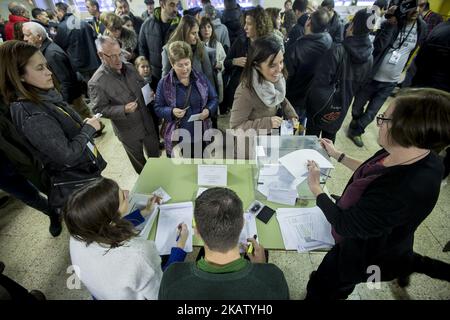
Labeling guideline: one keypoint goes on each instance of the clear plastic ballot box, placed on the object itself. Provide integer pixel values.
(268, 151)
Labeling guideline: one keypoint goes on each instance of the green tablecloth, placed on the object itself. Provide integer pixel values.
(180, 182)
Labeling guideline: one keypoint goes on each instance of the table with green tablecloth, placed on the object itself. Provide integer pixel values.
(179, 180)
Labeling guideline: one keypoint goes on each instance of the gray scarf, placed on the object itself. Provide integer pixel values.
(271, 94)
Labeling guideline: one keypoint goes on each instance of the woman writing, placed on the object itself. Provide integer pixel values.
(112, 261)
(387, 198)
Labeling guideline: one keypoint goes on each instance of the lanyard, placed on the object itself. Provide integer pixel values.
(403, 39)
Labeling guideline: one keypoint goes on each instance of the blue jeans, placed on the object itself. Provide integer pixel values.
(376, 93)
(19, 187)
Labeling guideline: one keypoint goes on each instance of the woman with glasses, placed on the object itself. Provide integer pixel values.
(387, 198)
(185, 99)
(111, 260)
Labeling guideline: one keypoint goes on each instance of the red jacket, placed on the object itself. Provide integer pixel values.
(9, 27)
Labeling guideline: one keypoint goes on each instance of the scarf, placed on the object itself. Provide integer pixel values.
(271, 94)
(53, 100)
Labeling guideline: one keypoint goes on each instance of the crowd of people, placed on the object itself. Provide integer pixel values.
(59, 74)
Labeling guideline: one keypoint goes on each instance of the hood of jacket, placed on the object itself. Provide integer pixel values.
(231, 14)
(15, 19)
(359, 48)
(322, 38)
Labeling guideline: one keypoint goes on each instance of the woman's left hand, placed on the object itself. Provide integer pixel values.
(151, 203)
(314, 178)
(205, 114)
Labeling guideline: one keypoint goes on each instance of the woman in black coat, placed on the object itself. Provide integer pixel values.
(54, 132)
(387, 198)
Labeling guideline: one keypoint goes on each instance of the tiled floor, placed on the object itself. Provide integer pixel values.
(38, 261)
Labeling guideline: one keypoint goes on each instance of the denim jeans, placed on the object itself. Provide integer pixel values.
(376, 93)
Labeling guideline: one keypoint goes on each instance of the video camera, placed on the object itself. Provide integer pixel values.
(401, 12)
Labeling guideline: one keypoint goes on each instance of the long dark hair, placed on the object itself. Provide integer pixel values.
(14, 56)
(203, 22)
(259, 51)
(180, 33)
(92, 215)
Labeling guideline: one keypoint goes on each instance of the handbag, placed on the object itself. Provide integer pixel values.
(329, 112)
(168, 127)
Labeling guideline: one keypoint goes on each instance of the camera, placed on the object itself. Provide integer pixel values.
(401, 12)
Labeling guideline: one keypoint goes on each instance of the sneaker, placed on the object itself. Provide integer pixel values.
(356, 140)
(4, 201)
(55, 225)
(403, 282)
(38, 295)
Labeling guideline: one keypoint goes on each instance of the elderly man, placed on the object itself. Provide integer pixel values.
(115, 91)
(59, 64)
(17, 15)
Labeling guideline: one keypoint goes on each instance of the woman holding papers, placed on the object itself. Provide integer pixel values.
(184, 99)
(106, 252)
(387, 198)
(54, 132)
(260, 101)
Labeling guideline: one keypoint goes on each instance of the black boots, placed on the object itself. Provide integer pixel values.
(55, 224)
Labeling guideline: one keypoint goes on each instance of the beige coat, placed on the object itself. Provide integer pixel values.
(249, 112)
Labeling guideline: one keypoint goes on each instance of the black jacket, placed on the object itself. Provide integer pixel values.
(297, 31)
(347, 66)
(386, 36)
(77, 38)
(137, 23)
(379, 228)
(433, 60)
(151, 42)
(62, 69)
(336, 28)
(301, 62)
(231, 18)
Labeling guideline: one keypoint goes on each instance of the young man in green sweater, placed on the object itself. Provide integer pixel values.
(223, 273)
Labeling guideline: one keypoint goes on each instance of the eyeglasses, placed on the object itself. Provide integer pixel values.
(381, 119)
(114, 56)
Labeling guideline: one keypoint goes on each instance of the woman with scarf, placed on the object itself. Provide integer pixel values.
(55, 133)
(260, 101)
(182, 93)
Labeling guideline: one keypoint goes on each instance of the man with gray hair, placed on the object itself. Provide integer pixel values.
(17, 15)
(115, 91)
(59, 63)
(220, 29)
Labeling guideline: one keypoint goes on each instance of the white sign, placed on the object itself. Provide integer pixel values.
(212, 175)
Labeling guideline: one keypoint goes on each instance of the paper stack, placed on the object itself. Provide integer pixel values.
(304, 229)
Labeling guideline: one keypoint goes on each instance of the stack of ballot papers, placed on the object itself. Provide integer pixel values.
(304, 229)
(249, 229)
(170, 216)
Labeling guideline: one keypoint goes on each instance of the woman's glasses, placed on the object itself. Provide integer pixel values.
(381, 118)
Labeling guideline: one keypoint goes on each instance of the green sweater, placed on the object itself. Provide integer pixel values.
(254, 281)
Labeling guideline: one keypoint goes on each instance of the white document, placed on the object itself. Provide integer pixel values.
(249, 229)
(269, 170)
(148, 223)
(260, 151)
(200, 191)
(170, 216)
(287, 128)
(282, 179)
(147, 94)
(212, 175)
(283, 196)
(160, 192)
(296, 162)
(304, 229)
(194, 117)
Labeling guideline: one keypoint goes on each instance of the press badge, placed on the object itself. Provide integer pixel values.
(395, 57)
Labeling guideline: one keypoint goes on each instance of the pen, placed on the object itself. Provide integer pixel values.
(250, 248)
(178, 232)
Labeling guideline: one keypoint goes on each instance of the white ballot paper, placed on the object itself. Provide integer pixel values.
(283, 196)
(304, 229)
(212, 175)
(160, 192)
(170, 216)
(147, 94)
(287, 128)
(194, 117)
(296, 162)
(249, 229)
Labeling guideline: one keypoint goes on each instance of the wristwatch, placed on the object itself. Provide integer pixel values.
(341, 157)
